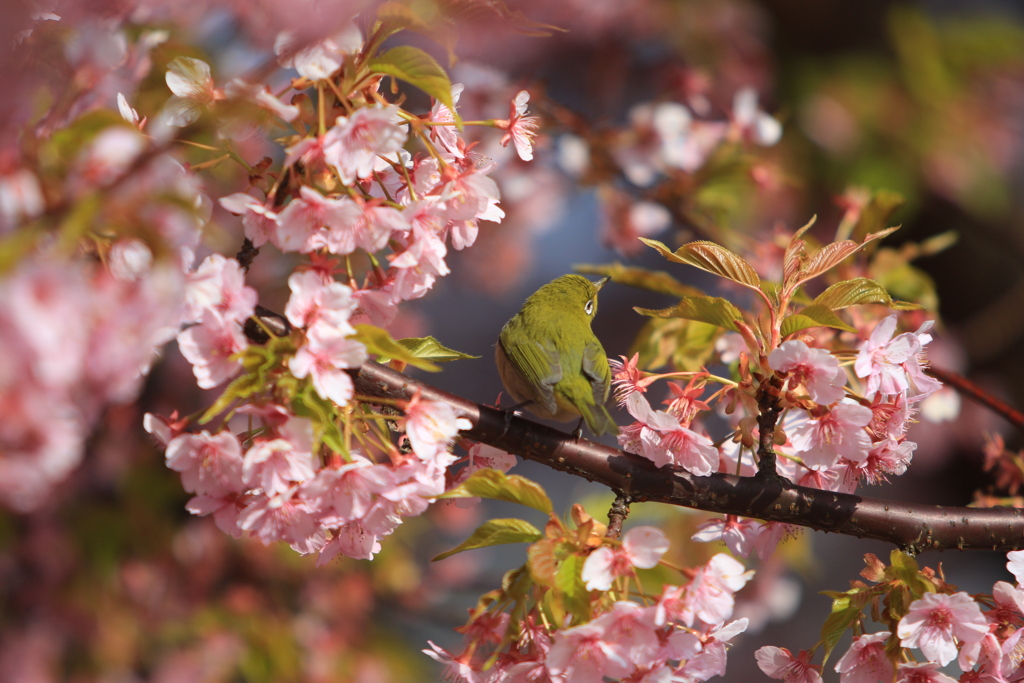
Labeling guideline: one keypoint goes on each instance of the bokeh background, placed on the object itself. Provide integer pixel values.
(113, 581)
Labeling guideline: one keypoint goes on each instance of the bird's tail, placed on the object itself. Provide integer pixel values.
(599, 421)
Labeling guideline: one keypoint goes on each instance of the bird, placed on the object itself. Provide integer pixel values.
(551, 362)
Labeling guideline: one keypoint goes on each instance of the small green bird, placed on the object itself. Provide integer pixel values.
(549, 358)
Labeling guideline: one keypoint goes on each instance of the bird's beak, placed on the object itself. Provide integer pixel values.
(601, 283)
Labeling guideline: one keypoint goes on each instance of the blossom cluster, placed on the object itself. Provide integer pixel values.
(980, 633)
(682, 635)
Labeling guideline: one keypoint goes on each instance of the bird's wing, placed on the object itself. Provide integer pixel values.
(595, 366)
(539, 364)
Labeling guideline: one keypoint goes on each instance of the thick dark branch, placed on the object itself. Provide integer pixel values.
(914, 528)
(973, 391)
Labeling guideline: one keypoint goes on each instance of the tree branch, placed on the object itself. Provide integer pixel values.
(912, 527)
(973, 391)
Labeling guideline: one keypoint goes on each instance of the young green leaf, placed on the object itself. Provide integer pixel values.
(860, 290)
(706, 309)
(830, 256)
(380, 343)
(813, 316)
(430, 349)
(711, 257)
(497, 485)
(496, 532)
(416, 67)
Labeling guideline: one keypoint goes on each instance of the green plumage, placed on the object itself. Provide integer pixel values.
(548, 355)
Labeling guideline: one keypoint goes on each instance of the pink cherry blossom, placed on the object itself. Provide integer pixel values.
(284, 517)
(341, 495)
(258, 219)
(209, 464)
(431, 426)
(936, 622)
(225, 510)
(323, 358)
(866, 660)
(457, 667)
(642, 547)
(583, 654)
(925, 672)
(629, 625)
(210, 347)
(317, 61)
(354, 143)
(447, 136)
(1015, 565)
(837, 434)
(190, 81)
(816, 369)
(893, 365)
(367, 226)
(274, 465)
(219, 284)
(710, 661)
(738, 533)
(708, 596)
(303, 224)
(778, 662)
(519, 128)
(351, 540)
(21, 197)
(315, 303)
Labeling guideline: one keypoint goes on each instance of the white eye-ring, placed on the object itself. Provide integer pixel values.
(589, 308)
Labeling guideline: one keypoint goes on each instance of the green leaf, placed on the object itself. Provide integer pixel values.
(569, 582)
(641, 278)
(416, 67)
(858, 291)
(496, 532)
(685, 344)
(380, 343)
(711, 257)
(846, 611)
(706, 309)
(430, 349)
(323, 414)
(257, 362)
(830, 256)
(421, 18)
(813, 316)
(497, 485)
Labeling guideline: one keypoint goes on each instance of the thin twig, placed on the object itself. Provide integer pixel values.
(617, 515)
(973, 391)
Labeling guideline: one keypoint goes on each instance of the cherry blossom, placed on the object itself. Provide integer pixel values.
(273, 465)
(353, 144)
(584, 654)
(323, 358)
(190, 81)
(778, 662)
(259, 220)
(210, 464)
(519, 128)
(708, 596)
(283, 517)
(866, 660)
(431, 426)
(925, 672)
(219, 284)
(321, 59)
(816, 369)
(346, 493)
(936, 622)
(838, 433)
(710, 661)
(447, 136)
(211, 347)
(315, 303)
(1015, 565)
(642, 547)
(892, 365)
(738, 533)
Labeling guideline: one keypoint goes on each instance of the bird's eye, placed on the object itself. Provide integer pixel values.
(589, 308)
